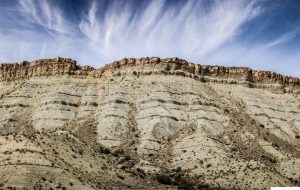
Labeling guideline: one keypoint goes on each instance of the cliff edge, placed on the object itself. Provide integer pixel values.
(152, 65)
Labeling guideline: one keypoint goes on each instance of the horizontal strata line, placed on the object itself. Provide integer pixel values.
(29, 164)
(174, 108)
(174, 118)
(206, 118)
(61, 102)
(159, 106)
(202, 109)
(276, 110)
(146, 148)
(90, 95)
(269, 117)
(117, 93)
(62, 119)
(197, 134)
(68, 94)
(86, 111)
(162, 101)
(199, 145)
(95, 104)
(273, 109)
(54, 109)
(24, 151)
(293, 112)
(117, 101)
(51, 102)
(172, 93)
(210, 104)
(10, 96)
(108, 139)
(161, 116)
(113, 115)
(14, 105)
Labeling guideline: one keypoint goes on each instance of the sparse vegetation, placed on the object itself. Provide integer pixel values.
(181, 179)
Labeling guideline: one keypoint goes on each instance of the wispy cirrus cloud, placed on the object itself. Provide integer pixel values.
(99, 31)
(49, 17)
(285, 37)
(38, 29)
(190, 30)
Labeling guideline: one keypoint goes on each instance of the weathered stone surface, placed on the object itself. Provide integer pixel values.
(236, 127)
(151, 65)
(43, 67)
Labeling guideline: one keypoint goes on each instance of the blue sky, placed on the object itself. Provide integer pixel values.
(261, 34)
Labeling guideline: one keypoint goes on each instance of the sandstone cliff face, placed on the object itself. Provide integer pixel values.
(44, 67)
(194, 70)
(149, 65)
(235, 127)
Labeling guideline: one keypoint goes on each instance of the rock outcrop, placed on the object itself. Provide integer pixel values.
(155, 65)
(228, 127)
(43, 67)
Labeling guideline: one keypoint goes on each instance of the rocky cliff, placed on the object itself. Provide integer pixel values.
(43, 67)
(135, 120)
(155, 65)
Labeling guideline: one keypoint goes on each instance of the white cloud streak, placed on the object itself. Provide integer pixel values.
(189, 31)
(284, 38)
(38, 30)
(42, 13)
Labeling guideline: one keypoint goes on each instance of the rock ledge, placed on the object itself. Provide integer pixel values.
(150, 65)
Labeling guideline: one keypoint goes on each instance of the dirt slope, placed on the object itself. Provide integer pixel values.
(147, 123)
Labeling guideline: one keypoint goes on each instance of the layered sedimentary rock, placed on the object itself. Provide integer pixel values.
(235, 127)
(175, 66)
(41, 67)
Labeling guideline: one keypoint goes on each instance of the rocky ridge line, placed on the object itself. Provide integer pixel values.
(220, 74)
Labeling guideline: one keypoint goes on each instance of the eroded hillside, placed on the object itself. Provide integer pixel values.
(150, 122)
